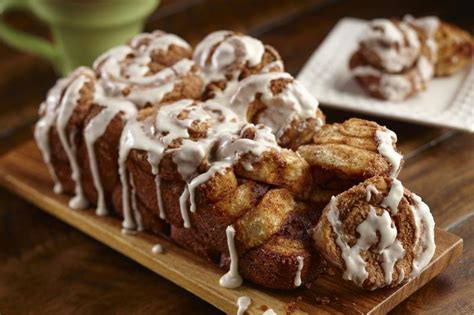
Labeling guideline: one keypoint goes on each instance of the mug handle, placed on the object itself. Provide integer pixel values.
(21, 40)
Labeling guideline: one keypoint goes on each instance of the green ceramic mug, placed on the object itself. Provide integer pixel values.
(81, 29)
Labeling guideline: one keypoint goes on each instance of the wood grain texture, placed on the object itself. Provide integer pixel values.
(23, 171)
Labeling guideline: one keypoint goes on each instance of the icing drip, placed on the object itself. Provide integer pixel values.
(293, 102)
(157, 249)
(232, 278)
(243, 303)
(390, 255)
(355, 265)
(68, 104)
(133, 137)
(300, 260)
(48, 110)
(269, 312)
(425, 245)
(392, 200)
(154, 160)
(385, 139)
(371, 190)
(390, 249)
(93, 131)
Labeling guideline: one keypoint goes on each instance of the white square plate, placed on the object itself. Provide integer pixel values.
(447, 102)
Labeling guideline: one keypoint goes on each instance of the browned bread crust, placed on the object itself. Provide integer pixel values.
(344, 154)
(455, 49)
(343, 234)
(275, 176)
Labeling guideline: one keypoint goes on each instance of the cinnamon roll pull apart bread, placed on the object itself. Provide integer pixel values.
(377, 234)
(225, 154)
(397, 58)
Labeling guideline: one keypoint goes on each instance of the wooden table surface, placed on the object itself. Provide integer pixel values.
(47, 267)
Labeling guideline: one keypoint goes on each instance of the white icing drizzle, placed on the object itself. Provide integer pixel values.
(390, 249)
(157, 249)
(371, 190)
(425, 245)
(227, 53)
(116, 65)
(232, 278)
(385, 139)
(133, 137)
(172, 121)
(48, 110)
(293, 102)
(300, 260)
(154, 159)
(270, 311)
(126, 69)
(392, 200)
(67, 105)
(397, 46)
(243, 303)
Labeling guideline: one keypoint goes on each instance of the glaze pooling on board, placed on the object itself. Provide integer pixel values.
(243, 303)
(232, 278)
(300, 260)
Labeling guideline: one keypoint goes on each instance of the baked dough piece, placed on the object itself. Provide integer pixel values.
(394, 61)
(454, 46)
(226, 178)
(226, 57)
(280, 102)
(377, 234)
(344, 154)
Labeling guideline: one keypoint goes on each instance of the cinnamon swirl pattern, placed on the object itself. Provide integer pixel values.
(397, 58)
(217, 149)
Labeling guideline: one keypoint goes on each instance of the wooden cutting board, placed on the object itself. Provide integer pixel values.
(23, 172)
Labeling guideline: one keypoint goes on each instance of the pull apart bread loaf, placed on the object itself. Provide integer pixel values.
(222, 152)
(397, 58)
